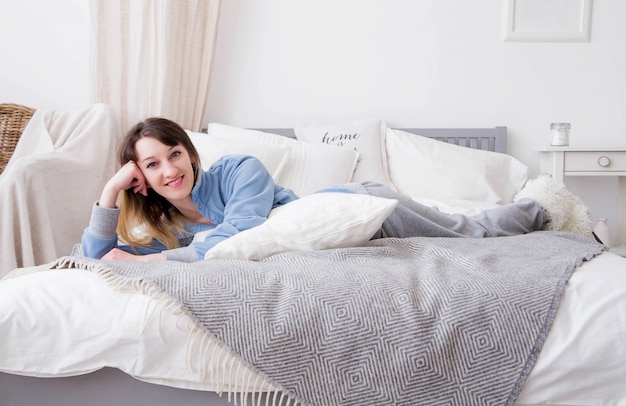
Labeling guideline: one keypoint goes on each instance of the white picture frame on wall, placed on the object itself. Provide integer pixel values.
(547, 20)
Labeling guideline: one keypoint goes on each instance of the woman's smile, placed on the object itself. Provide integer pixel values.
(176, 182)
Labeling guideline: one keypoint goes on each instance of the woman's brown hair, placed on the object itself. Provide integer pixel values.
(144, 218)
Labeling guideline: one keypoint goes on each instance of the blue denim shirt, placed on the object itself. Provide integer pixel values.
(235, 194)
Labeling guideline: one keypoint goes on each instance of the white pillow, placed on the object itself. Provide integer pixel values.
(309, 167)
(426, 168)
(211, 148)
(365, 136)
(315, 222)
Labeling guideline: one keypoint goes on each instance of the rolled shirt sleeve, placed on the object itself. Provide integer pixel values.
(100, 236)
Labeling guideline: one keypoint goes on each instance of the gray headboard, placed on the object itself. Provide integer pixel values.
(490, 139)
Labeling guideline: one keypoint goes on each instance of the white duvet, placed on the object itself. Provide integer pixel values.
(71, 322)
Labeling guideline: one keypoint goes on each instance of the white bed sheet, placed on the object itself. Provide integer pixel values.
(71, 322)
(61, 323)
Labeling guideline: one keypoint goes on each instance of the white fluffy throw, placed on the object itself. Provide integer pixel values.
(567, 211)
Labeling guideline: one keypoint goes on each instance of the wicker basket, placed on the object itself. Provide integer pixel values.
(13, 120)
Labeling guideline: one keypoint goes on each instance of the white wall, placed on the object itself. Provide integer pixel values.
(428, 63)
(415, 63)
(44, 53)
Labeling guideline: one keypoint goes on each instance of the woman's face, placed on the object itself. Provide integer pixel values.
(167, 170)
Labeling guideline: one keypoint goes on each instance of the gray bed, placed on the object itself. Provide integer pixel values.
(450, 321)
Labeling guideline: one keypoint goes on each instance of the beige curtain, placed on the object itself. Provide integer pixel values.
(153, 58)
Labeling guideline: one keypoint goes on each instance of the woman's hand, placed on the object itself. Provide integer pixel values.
(117, 254)
(127, 177)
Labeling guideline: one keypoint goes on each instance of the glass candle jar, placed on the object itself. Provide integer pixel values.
(560, 134)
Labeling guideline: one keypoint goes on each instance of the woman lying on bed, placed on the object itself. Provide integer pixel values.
(165, 198)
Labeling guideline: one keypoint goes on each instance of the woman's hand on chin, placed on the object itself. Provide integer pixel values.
(117, 254)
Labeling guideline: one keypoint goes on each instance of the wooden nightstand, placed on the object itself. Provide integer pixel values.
(567, 161)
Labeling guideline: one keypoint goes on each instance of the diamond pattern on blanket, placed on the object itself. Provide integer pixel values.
(400, 321)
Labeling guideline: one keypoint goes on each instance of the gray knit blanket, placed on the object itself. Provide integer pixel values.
(416, 321)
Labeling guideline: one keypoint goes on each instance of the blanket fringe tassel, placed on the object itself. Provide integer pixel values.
(218, 365)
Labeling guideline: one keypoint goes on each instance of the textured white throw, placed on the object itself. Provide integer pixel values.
(57, 171)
